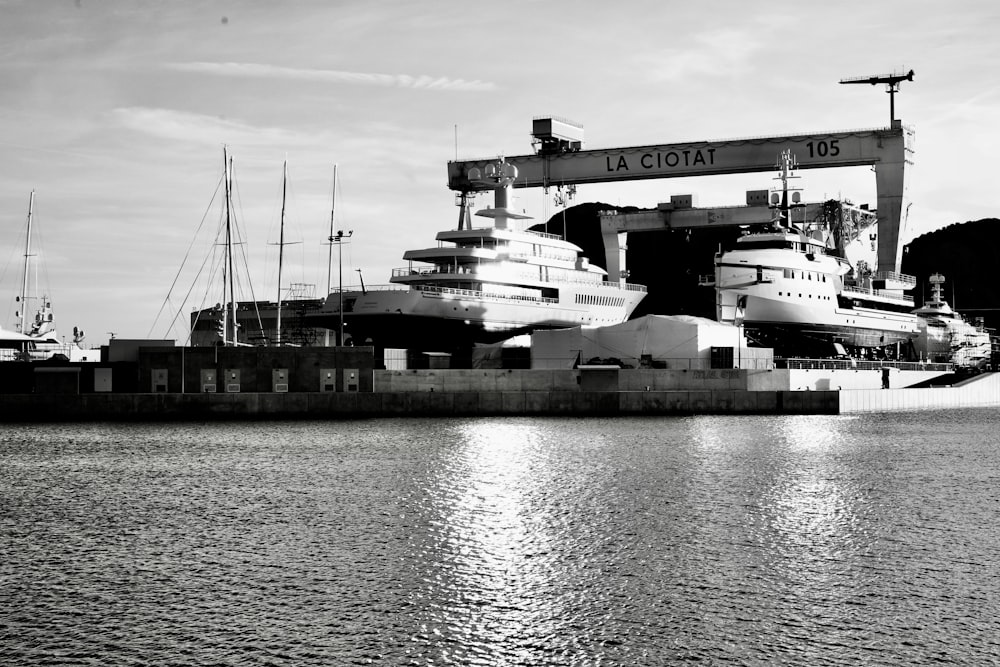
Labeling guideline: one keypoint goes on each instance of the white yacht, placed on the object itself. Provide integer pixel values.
(484, 284)
(42, 341)
(791, 290)
(946, 336)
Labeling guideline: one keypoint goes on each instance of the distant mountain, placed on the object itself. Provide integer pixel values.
(669, 262)
(966, 254)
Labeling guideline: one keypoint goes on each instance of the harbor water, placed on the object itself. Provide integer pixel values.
(750, 540)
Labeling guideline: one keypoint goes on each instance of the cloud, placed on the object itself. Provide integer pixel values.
(717, 53)
(251, 70)
(200, 128)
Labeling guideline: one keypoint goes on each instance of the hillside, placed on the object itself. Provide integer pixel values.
(963, 253)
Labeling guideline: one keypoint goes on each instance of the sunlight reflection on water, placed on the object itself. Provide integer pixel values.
(804, 540)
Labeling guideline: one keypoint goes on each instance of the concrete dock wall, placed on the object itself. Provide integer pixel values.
(979, 391)
(546, 380)
(334, 405)
(640, 379)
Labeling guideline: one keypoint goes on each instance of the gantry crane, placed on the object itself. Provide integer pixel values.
(561, 162)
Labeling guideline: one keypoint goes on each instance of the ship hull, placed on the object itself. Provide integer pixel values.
(854, 327)
(798, 304)
(444, 320)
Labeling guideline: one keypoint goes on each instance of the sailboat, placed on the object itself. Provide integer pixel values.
(256, 323)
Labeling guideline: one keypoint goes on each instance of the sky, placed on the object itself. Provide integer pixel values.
(116, 113)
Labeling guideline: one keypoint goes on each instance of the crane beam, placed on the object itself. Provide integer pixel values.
(887, 150)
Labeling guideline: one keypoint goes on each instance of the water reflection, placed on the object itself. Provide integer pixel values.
(491, 544)
(794, 505)
(812, 511)
(763, 540)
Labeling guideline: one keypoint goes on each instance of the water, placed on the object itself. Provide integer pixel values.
(805, 540)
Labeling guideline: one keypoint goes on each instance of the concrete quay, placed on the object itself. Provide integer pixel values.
(588, 391)
(330, 405)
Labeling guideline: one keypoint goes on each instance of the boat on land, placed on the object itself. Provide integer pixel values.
(36, 338)
(286, 321)
(946, 336)
(790, 288)
(484, 284)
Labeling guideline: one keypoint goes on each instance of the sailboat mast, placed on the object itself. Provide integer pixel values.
(27, 255)
(229, 282)
(329, 257)
(281, 242)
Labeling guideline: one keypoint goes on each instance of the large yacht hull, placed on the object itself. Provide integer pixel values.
(798, 304)
(789, 325)
(444, 320)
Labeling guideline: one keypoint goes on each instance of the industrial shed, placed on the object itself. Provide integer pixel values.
(653, 341)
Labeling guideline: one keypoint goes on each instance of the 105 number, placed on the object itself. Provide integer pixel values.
(823, 148)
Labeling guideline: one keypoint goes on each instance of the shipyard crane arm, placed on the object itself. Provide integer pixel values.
(891, 82)
(887, 150)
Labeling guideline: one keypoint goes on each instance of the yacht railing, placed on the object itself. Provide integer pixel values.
(897, 277)
(474, 294)
(371, 288)
(886, 294)
(544, 235)
(531, 276)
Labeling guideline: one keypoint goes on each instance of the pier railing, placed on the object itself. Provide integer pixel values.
(858, 365)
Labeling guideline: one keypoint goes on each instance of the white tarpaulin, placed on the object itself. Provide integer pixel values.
(491, 355)
(671, 341)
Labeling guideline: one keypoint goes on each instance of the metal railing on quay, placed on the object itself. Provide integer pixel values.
(858, 365)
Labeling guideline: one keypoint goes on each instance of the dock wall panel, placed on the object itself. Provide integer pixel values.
(980, 391)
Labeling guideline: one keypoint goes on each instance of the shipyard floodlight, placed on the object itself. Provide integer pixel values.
(891, 81)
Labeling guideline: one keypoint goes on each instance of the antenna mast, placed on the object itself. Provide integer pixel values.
(891, 81)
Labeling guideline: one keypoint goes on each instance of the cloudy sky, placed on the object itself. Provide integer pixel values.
(116, 113)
